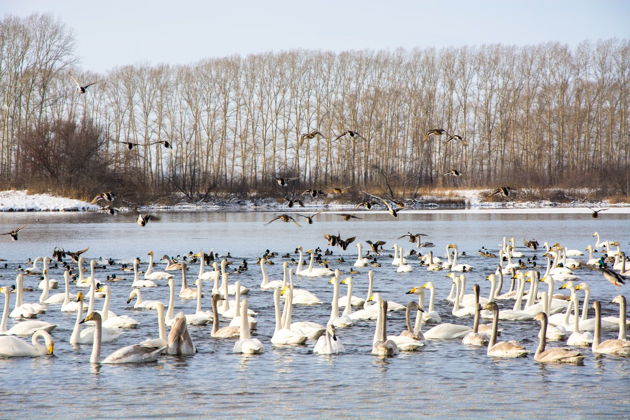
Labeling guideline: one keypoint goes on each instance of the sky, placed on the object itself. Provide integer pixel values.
(111, 33)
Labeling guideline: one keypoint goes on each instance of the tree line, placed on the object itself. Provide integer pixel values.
(540, 115)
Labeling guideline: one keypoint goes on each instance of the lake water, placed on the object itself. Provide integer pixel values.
(446, 379)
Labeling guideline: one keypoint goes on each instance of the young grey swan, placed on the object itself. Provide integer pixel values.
(556, 354)
(179, 341)
(381, 346)
(614, 347)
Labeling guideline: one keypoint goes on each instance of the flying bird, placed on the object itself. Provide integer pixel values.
(313, 193)
(376, 247)
(434, 132)
(504, 191)
(283, 182)
(291, 201)
(413, 237)
(365, 203)
(390, 209)
(309, 218)
(456, 137)
(14, 233)
(285, 218)
(352, 134)
(130, 145)
(164, 143)
(453, 172)
(107, 196)
(82, 89)
(309, 136)
(143, 219)
(595, 212)
(533, 244)
(347, 216)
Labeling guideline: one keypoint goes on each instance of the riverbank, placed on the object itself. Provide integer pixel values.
(448, 200)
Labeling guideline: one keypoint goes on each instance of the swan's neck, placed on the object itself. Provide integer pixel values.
(149, 268)
(202, 266)
(92, 296)
(542, 336)
(198, 309)
(310, 264)
(476, 319)
(348, 309)
(519, 294)
(184, 284)
(276, 307)
(451, 294)
(531, 295)
(66, 292)
(432, 299)
(215, 316)
(96, 348)
(458, 295)
(370, 287)
(408, 319)
(19, 294)
(46, 290)
(597, 334)
(244, 331)
(237, 299)
(587, 295)
(161, 322)
(455, 254)
(106, 304)
(545, 303)
(215, 286)
(288, 309)
(138, 296)
(265, 278)
(419, 316)
(5, 312)
(300, 263)
(495, 328)
(590, 252)
(334, 312)
(576, 317)
(622, 319)
(171, 300)
(499, 287)
(378, 335)
(135, 273)
(224, 287)
(76, 331)
(493, 285)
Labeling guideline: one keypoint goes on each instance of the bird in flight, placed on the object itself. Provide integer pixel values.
(453, 172)
(283, 182)
(291, 201)
(413, 237)
(309, 136)
(82, 88)
(14, 233)
(347, 216)
(352, 134)
(504, 191)
(376, 247)
(595, 212)
(309, 218)
(164, 143)
(434, 132)
(456, 137)
(390, 209)
(143, 219)
(285, 218)
(130, 145)
(107, 196)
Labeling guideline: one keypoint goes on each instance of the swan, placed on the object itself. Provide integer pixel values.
(86, 336)
(588, 324)
(33, 269)
(507, 349)
(591, 260)
(228, 309)
(369, 311)
(361, 260)
(459, 267)
(283, 335)
(578, 337)
(21, 309)
(615, 347)
(381, 345)
(52, 283)
(200, 317)
(301, 296)
(246, 344)
(232, 287)
(432, 263)
(203, 274)
(354, 300)
(270, 285)
(397, 259)
(186, 292)
(179, 340)
(311, 330)
(408, 340)
(515, 314)
(136, 279)
(159, 342)
(58, 298)
(224, 332)
(403, 267)
(129, 354)
(557, 354)
(328, 343)
(68, 304)
(24, 328)
(475, 338)
(311, 271)
(612, 253)
(336, 320)
(85, 281)
(552, 333)
(11, 346)
(110, 319)
(598, 242)
(236, 319)
(621, 300)
(141, 303)
(431, 315)
(458, 311)
(512, 247)
(446, 331)
(155, 275)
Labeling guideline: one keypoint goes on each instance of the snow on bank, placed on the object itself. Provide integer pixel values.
(470, 201)
(22, 201)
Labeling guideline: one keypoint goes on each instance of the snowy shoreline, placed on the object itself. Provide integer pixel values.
(21, 201)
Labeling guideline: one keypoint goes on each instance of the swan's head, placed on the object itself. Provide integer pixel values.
(413, 306)
(150, 253)
(568, 285)
(620, 299)
(491, 306)
(375, 297)
(347, 280)
(132, 295)
(583, 286)
(541, 317)
(330, 330)
(92, 316)
(80, 297)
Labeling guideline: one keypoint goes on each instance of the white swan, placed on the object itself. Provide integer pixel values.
(476, 338)
(161, 341)
(57, 298)
(155, 275)
(312, 271)
(265, 284)
(200, 317)
(203, 274)
(515, 314)
(370, 310)
(403, 266)
(69, 305)
(137, 283)
(52, 283)
(283, 335)
(141, 303)
(354, 300)
(21, 309)
(85, 281)
(301, 296)
(430, 315)
(506, 349)
(578, 337)
(86, 336)
(328, 343)
(397, 259)
(408, 340)
(129, 354)
(459, 267)
(11, 346)
(236, 319)
(592, 261)
(24, 328)
(557, 354)
(381, 345)
(246, 344)
(232, 287)
(588, 324)
(186, 292)
(110, 319)
(336, 320)
(361, 260)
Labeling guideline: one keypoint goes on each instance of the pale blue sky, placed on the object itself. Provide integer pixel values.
(112, 33)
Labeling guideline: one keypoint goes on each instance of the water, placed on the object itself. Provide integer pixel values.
(445, 379)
